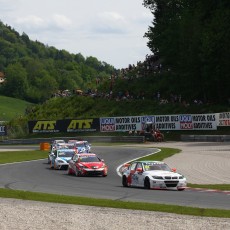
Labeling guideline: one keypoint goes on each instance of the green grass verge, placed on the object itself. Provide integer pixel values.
(44, 197)
(17, 156)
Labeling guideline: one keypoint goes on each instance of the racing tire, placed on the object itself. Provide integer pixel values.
(147, 183)
(69, 171)
(124, 181)
(77, 173)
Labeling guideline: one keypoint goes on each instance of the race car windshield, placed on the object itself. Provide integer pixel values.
(89, 159)
(80, 145)
(66, 154)
(163, 167)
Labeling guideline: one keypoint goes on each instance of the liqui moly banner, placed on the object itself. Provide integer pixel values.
(161, 122)
(120, 124)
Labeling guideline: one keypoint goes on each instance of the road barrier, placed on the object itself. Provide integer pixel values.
(90, 139)
(206, 138)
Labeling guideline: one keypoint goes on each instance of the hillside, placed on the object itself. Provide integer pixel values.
(11, 108)
(186, 73)
(34, 71)
(89, 107)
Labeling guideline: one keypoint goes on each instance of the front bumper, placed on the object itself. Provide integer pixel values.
(93, 172)
(168, 184)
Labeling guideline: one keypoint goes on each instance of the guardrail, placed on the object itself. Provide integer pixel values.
(206, 138)
(90, 139)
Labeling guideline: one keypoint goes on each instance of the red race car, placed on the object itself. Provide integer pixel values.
(87, 164)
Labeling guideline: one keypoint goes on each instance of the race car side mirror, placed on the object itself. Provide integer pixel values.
(139, 170)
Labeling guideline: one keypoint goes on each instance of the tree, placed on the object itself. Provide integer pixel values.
(16, 81)
(192, 38)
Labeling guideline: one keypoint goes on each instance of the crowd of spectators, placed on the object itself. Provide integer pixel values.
(150, 66)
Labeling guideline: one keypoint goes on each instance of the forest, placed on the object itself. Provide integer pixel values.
(34, 71)
(193, 39)
(190, 38)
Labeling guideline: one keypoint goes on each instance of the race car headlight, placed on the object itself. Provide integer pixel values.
(157, 177)
(181, 177)
(83, 167)
(60, 161)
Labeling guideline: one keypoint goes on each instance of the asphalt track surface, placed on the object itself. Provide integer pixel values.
(38, 177)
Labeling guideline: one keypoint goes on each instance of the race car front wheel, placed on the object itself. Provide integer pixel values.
(69, 171)
(147, 183)
(77, 173)
(124, 181)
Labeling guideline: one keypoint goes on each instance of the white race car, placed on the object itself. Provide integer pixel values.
(59, 146)
(152, 175)
(60, 158)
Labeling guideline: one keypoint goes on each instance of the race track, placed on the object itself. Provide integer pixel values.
(37, 176)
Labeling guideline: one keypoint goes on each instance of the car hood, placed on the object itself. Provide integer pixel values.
(92, 164)
(162, 173)
(67, 159)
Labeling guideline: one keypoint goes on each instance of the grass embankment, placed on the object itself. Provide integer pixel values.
(9, 157)
(15, 110)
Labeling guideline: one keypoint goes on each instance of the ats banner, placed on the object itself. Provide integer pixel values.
(68, 125)
(82, 125)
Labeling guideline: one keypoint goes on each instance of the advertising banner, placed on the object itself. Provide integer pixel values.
(161, 122)
(3, 130)
(68, 125)
(81, 125)
(204, 121)
(132, 123)
(120, 124)
(223, 119)
(167, 122)
(43, 126)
